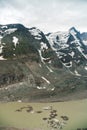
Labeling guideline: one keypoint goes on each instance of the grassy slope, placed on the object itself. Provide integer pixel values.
(75, 110)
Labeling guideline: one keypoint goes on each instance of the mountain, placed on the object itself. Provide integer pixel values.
(16, 41)
(70, 49)
(84, 38)
(34, 65)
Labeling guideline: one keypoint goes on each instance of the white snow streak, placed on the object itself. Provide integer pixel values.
(79, 48)
(49, 69)
(72, 54)
(40, 65)
(85, 42)
(0, 38)
(60, 38)
(85, 67)
(1, 58)
(36, 32)
(9, 31)
(4, 27)
(72, 32)
(38, 87)
(77, 73)
(45, 80)
(15, 40)
(43, 46)
(42, 59)
(1, 49)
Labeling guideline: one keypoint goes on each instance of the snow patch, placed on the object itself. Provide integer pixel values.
(4, 27)
(64, 46)
(43, 46)
(0, 38)
(14, 54)
(6, 88)
(3, 43)
(9, 31)
(77, 74)
(50, 62)
(52, 89)
(85, 42)
(72, 31)
(72, 54)
(80, 50)
(45, 80)
(42, 59)
(36, 32)
(38, 87)
(49, 69)
(60, 38)
(60, 56)
(76, 40)
(15, 40)
(1, 58)
(68, 65)
(85, 67)
(40, 65)
(1, 47)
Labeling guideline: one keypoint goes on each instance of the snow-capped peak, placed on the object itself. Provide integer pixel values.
(58, 40)
(35, 32)
(68, 47)
(73, 29)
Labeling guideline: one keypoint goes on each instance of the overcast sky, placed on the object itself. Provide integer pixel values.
(47, 15)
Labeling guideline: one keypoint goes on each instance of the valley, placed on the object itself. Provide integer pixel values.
(43, 79)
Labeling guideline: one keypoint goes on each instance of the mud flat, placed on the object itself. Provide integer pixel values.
(35, 116)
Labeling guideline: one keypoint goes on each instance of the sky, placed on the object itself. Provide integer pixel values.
(47, 15)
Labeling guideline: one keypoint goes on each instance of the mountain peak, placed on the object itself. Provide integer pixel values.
(73, 29)
(15, 25)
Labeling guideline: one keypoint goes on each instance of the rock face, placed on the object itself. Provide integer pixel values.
(34, 65)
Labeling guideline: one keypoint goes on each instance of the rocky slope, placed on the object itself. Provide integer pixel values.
(71, 50)
(34, 65)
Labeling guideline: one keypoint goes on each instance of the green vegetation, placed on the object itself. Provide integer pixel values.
(76, 111)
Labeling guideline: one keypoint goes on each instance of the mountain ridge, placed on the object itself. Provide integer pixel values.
(43, 65)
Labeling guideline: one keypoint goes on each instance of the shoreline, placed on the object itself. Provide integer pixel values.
(70, 97)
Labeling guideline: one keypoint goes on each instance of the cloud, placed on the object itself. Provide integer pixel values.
(48, 15)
